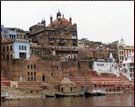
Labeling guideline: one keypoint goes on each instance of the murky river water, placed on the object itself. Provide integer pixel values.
(108, 100)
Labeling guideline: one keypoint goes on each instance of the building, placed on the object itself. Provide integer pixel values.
(128, 66)
(109, 66)
(60, 35)
(123, 50)
(15, 49)
(8, 33)
(14, 33)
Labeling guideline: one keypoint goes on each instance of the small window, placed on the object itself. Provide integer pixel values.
(7, 48)
(11, 48)
(31, 73)
(31, 66)
(3, 49)
(28, 73)
(22, 47)
(19, 47)
(34, 73)
(28, 66)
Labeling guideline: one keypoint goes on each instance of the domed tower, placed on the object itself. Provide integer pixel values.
(122, 42)
(58, 15)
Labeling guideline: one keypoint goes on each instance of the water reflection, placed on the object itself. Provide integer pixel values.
(108, 100)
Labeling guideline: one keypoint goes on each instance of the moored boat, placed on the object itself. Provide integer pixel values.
(94, 93)
(69, 94)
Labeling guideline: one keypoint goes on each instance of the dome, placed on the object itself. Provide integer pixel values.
(58, 13)
(122, 42)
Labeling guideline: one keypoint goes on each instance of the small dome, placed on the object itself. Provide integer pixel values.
(58, 13)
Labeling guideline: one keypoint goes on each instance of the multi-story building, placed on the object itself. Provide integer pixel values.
(8, 33)
(128, 66)
(15, 49)
(123, 50)
(60, 35)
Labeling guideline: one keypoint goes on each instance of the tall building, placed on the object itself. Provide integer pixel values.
(15, 49)
(60, 35)
(128, 66)
(123, 50)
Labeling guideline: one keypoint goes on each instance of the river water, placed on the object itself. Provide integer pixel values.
(108, 100)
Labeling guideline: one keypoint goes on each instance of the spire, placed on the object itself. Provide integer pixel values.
(58, 15)
(51, 19)
(70, 19)
(111, 59)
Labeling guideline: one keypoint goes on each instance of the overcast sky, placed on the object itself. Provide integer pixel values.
(104, 21)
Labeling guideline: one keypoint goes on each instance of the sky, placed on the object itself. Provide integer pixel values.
(104, 21)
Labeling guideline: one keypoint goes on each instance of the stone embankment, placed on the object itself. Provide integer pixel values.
(14, 93)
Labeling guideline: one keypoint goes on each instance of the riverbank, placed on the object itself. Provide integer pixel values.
(125, 99)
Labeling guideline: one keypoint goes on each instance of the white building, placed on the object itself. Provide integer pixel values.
(123, 50)
(8, 32)
(21, 49)
(110, 66)
(128, 66)
(15, 49)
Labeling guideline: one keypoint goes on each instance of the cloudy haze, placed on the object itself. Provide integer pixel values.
(98, 21)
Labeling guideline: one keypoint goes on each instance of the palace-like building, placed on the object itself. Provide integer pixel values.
(60, 35)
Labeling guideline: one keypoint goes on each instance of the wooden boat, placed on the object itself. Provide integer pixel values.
(94, 93)
(69, 94)
(4, 95)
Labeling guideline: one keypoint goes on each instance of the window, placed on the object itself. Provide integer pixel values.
(3, 49)
(28, 73)
(28, 66)
(31, 66)
(7, 48)
(11, 48)
(34, 73)
(22, 55)
(43, 78)
(31, 73)
(20, 47)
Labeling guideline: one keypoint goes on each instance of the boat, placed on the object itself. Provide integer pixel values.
(50, 95)
(69, 94)
(94, 93)
(4, 95)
